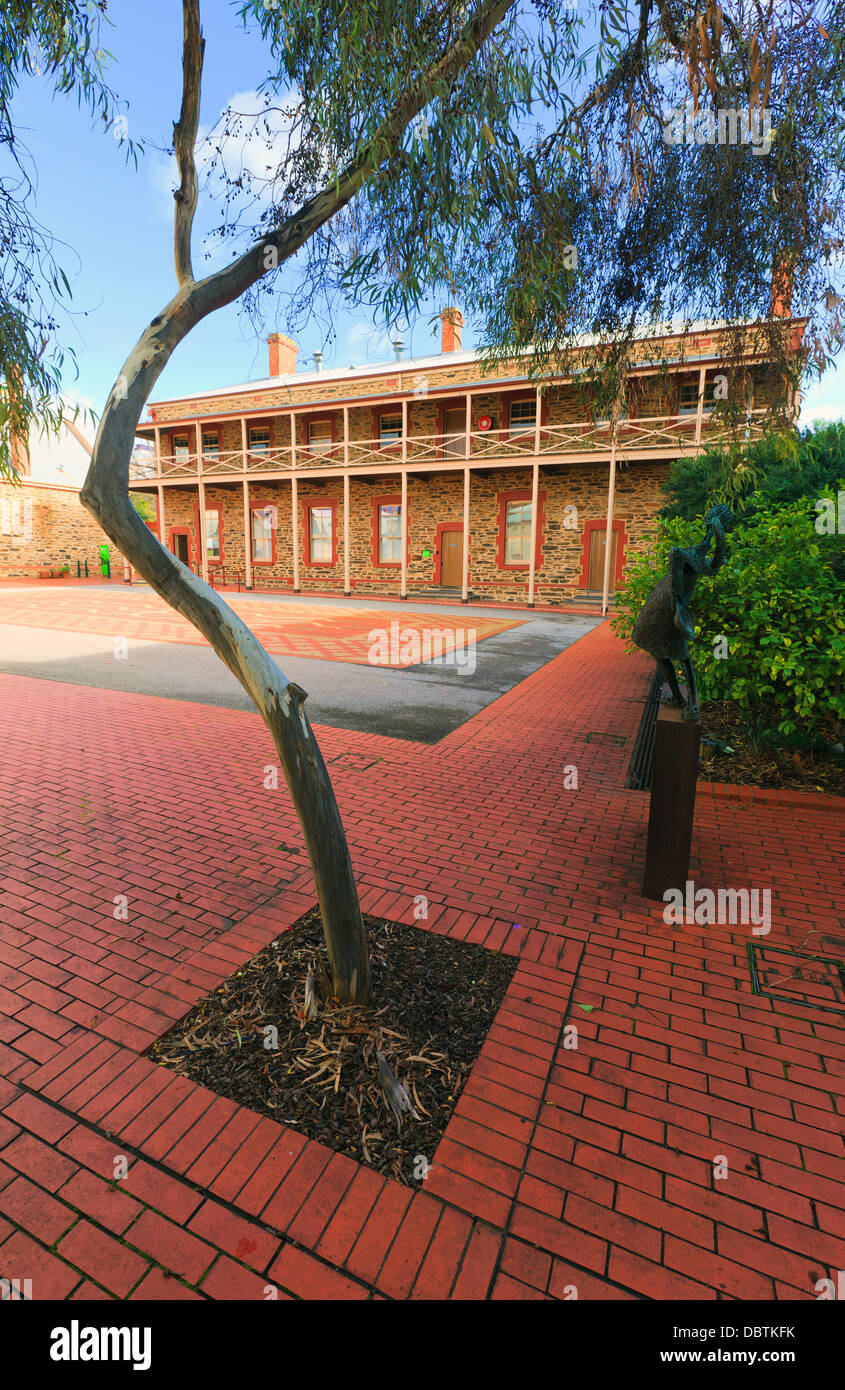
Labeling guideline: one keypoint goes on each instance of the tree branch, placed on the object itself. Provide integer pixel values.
(230, 283)
(185, 138)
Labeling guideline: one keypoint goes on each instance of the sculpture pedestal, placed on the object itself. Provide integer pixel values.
(676, 744)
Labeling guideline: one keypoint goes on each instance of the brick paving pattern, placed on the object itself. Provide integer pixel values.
(587, 1168)
(326, 631)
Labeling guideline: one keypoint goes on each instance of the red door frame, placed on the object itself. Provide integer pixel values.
(182, 531)
(621, 543)
(438, 550)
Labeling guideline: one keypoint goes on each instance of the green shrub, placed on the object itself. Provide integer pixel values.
(779, 601)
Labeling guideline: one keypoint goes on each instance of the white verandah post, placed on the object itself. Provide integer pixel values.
(535, 492)
(608, 532)
(294, 504)
(467, 454)
(201, 534)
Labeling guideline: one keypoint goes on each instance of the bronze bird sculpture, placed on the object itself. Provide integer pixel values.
(665, 625)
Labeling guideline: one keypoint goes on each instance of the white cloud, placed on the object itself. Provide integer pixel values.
(825, 399)
(258, 139)
(363, 340)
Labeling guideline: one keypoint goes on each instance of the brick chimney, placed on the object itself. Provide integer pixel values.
(782, 285)
(283, 354)
(453, 323)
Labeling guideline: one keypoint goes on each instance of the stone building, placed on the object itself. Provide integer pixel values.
(44, 529)
(426, 477)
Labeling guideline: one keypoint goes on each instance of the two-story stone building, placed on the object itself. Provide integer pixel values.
(428, 477)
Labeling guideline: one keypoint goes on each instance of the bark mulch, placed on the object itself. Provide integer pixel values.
(434, 1000)
(732, 757)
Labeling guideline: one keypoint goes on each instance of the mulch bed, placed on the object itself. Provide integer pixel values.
(433, 1003)
(784, 768)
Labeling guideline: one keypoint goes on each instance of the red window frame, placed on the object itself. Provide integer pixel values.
(378, 411)
(393, 500)
(318, 419)
(268, 425)
(260, 507)
(181, 434)
(212, 560)
(522, 494)
(326, 504)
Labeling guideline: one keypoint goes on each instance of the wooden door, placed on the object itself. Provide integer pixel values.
(454, 426)
(452, 559)
(180, 548)
(597, 547)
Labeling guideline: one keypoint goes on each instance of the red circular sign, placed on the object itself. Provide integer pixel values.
(484, 422)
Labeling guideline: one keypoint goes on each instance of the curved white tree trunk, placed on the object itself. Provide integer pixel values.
(106, 489)
(279, 701)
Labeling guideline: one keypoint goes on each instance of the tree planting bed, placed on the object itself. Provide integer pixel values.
(729, 754)
(434, 1000)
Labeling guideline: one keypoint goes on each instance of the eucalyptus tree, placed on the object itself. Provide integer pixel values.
(518, 157)
(59, 42)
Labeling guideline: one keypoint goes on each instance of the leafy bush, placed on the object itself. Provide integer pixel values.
(779, 601)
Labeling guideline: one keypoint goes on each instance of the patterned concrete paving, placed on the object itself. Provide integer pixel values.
(330, 631)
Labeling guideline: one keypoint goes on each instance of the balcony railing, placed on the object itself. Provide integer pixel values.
(640, 434)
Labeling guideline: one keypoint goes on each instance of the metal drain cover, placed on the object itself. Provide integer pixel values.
(795, 977)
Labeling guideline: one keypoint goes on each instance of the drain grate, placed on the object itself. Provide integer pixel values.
(359, 761)
(615, 740)
(795, 977)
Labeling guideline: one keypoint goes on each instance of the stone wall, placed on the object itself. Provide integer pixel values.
(406, 377)
(44, 526)
(572, 502)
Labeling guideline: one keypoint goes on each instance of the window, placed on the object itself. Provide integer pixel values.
(211, 446)
(180, 446)
(606, 418)
(262, 534)
(320, 535)
(523, 416)
(518, 533)
(259, 441)
(212, 534)
(389, 534)
(688, 401)
(390, 429)
(320, 436)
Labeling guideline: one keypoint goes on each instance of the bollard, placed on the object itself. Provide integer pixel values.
(676, 745)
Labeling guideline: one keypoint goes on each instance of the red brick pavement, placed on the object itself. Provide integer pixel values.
(585, 1168)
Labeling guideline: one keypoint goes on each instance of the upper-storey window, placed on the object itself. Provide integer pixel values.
(259, 440)
(211, 444)
(181, 449)
(605, 417)
(390, 428)
(522, 416)
(688, 399)
(320, 436)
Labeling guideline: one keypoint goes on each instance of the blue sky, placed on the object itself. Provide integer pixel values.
(116, 221)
